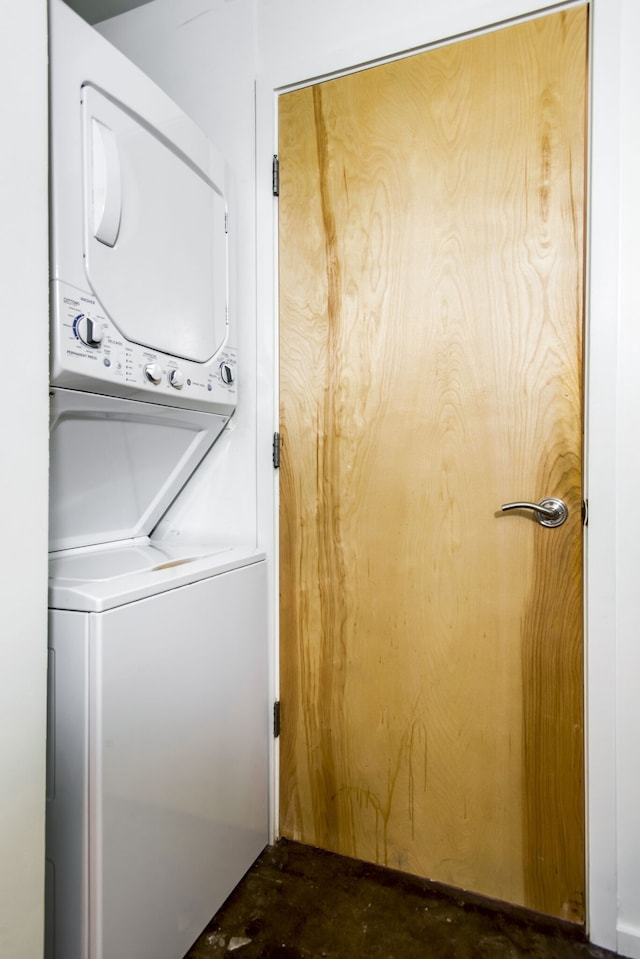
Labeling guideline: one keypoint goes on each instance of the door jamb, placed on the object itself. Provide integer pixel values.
(601, 305)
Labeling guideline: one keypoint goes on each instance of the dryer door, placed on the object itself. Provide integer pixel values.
(155, 242)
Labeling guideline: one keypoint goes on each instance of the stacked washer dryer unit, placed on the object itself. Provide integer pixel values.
(158, 691)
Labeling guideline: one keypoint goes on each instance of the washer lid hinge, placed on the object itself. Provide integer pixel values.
(276, 719)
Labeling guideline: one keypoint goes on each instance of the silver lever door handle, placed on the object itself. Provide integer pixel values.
(548, 512)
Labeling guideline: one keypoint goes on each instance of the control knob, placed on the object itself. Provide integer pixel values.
(153, 373)
(227, 374)
(176, 379)
(89, 331)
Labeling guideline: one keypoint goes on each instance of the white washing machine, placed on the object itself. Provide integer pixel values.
(158, 712)
(158, 745)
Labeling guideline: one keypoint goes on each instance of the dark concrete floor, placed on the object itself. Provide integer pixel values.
(301, 903)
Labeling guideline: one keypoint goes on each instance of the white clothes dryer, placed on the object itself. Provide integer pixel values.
(139, 234)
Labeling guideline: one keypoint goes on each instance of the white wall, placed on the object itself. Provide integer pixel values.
(304, 39)
(24, 432)
(201, 52)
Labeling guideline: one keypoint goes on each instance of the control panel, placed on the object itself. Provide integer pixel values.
(89, 353)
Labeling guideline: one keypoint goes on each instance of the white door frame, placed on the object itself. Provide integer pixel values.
(454, 20)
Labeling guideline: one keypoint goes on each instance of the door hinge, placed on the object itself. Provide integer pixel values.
(276, 451)
(275, 175)
(276, 719)
(226, 221)
(585, 512)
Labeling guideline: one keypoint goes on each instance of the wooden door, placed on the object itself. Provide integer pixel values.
(431, 282)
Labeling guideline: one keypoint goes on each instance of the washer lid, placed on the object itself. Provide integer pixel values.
(103, 577)
(116, 465)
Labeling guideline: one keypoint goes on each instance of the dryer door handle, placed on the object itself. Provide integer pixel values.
(106, 184)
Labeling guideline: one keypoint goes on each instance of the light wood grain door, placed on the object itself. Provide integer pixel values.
(431, 283)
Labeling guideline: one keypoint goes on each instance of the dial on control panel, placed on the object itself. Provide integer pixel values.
(226, 373)
(176, 379)
(89, 331)
(153, 373)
